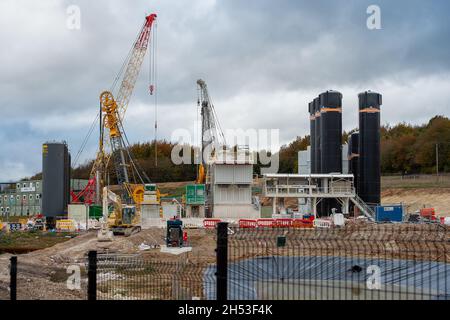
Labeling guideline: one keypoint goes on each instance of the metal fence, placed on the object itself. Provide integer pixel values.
(416, 180)
(130, 277)
(360, 262)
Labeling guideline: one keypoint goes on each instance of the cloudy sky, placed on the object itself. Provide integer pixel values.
(263, 61)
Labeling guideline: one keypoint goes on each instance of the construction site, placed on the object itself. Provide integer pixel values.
(322, 226)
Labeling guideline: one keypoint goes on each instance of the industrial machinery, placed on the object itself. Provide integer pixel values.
(124, 219)
(212, 140)
(130, 177)
(212, 135)
(174, 236)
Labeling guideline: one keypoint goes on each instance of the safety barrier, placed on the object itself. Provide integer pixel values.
(265, 223)
(320, 223)
(247, 223)
(277, 223)
(211, 223)
(302, 223)
(283, 223)
(192, 223)
(66, 225)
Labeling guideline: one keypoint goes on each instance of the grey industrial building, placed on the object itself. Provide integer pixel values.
(304, 160)
(24, 198)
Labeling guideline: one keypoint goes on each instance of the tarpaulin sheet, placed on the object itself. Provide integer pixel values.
(431, 278)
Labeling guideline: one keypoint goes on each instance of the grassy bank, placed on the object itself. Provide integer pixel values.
(22, 242)
(415, 181)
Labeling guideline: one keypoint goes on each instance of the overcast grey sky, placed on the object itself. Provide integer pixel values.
(263, 62)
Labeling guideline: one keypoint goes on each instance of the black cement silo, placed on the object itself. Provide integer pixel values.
(331, 132)
(353, 157)
(55, 179)
(312, 135)
(331, 140)
(317, 137)
(316, 105)
(369, 183)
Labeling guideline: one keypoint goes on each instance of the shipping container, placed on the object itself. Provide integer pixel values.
(195, 194)
(170, 210)
(233, 174)
(95, 212)
(78, 213)
(391, 213)
(150, 187)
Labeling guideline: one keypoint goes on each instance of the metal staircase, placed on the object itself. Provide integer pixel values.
(365, 209)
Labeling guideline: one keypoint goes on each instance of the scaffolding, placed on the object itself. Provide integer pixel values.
(314, 188)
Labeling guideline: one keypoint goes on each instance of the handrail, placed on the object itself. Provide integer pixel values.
(368, 212)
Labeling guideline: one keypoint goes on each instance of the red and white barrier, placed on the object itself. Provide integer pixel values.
(283, 223)
(265, 223)
(247, 223)
(211, 223)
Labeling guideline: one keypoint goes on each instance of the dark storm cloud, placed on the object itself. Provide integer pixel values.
(263, 61)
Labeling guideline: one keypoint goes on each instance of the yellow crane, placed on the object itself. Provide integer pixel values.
(130, 178)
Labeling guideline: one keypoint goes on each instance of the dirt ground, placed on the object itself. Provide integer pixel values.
(42, 274)
(438, 198)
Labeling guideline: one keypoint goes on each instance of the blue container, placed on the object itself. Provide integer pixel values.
(389, 213)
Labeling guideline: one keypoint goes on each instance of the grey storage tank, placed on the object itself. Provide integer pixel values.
(369, 171)
(55, 179)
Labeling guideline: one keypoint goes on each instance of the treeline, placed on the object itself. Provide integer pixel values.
(405, 149)
(412, 149)
(157, 169)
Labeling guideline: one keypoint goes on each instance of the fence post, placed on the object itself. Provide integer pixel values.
(13, 278)
(222, 261)
(92, 275)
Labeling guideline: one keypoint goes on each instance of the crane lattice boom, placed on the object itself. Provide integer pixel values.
(134, 66)
(212, 135)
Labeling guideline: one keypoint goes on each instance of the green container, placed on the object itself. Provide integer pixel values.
(150, 187)
(95, 212)
(195, 194)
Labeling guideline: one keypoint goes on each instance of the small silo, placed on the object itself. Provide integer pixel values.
(369, 172)
(55, 179)
(312, 140)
